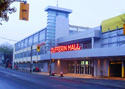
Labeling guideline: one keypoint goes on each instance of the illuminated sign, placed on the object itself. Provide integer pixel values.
(70, 47)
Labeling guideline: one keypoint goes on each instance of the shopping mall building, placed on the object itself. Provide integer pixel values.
(98, 51)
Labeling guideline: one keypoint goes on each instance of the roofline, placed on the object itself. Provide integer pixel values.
(58, 9)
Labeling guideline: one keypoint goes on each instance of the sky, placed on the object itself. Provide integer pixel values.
(86, 13)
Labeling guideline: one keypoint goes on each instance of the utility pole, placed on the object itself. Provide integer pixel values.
(50, 72)
(31, 62)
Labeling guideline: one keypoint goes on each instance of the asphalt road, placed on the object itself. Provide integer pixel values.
(12, 79)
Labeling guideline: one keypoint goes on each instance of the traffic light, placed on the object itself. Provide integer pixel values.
(38, 48)
(52, 60)
(24, 11)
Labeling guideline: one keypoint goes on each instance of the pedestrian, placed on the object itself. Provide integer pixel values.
(16, 67)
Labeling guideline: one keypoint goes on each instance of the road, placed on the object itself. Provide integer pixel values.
(12, 79)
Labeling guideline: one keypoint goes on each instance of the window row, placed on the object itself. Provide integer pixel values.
(31, 40)
(28, 53)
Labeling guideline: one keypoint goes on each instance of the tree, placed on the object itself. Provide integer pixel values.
(7, 51)
(5, 8)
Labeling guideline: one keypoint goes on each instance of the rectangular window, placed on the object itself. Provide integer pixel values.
(35, 38)
(50, 34)
(22, 44)
(51, 24)
(19, 46)
(51, 20)
(29, 53)
(30, 40)
(42, 36)
(50, 14)
(51, 17)
(26, 43)
(51, 27)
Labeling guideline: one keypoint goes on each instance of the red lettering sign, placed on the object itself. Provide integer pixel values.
(70, 47)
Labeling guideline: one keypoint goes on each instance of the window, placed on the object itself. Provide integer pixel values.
(51, 20)
(87, 45)
(50, 34)
(22, 44)
(35, 38)
(29, 53)
(30, 40)
(51, 14)
(51, 24)
(25, 42)
(51, 17)
(18, 47)
(42, 36)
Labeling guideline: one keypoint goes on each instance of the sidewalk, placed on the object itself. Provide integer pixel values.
(106, 81)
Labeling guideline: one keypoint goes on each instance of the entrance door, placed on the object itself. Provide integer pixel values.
(116, 69)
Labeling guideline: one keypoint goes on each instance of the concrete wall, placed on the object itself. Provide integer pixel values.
(61, 66)
(81, 36)
(45, 67)
(97, 43)
(101, 67)
(62, 27)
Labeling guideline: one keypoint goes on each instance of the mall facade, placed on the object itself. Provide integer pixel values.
(74, 49)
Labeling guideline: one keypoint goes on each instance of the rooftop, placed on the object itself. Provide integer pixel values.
(58, 9)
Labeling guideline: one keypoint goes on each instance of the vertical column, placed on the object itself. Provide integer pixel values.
(92, 44)
(95, 67)
(75, 67)
(108, 68)
(84, 65)
(123, 72)
(89, 66)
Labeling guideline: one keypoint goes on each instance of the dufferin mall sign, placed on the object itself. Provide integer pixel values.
(64, 48)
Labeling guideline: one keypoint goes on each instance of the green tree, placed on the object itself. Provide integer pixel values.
(7, 51)
(5, 8)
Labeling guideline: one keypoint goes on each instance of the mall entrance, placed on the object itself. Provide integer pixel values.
(80, 67)
(115, 68)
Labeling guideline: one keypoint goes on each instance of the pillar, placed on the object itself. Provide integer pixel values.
(75, 63)
(92, 42)
(95, 67)
(108, 69)
(123, 72)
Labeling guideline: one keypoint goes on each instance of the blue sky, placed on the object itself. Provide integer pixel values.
(88, 13)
